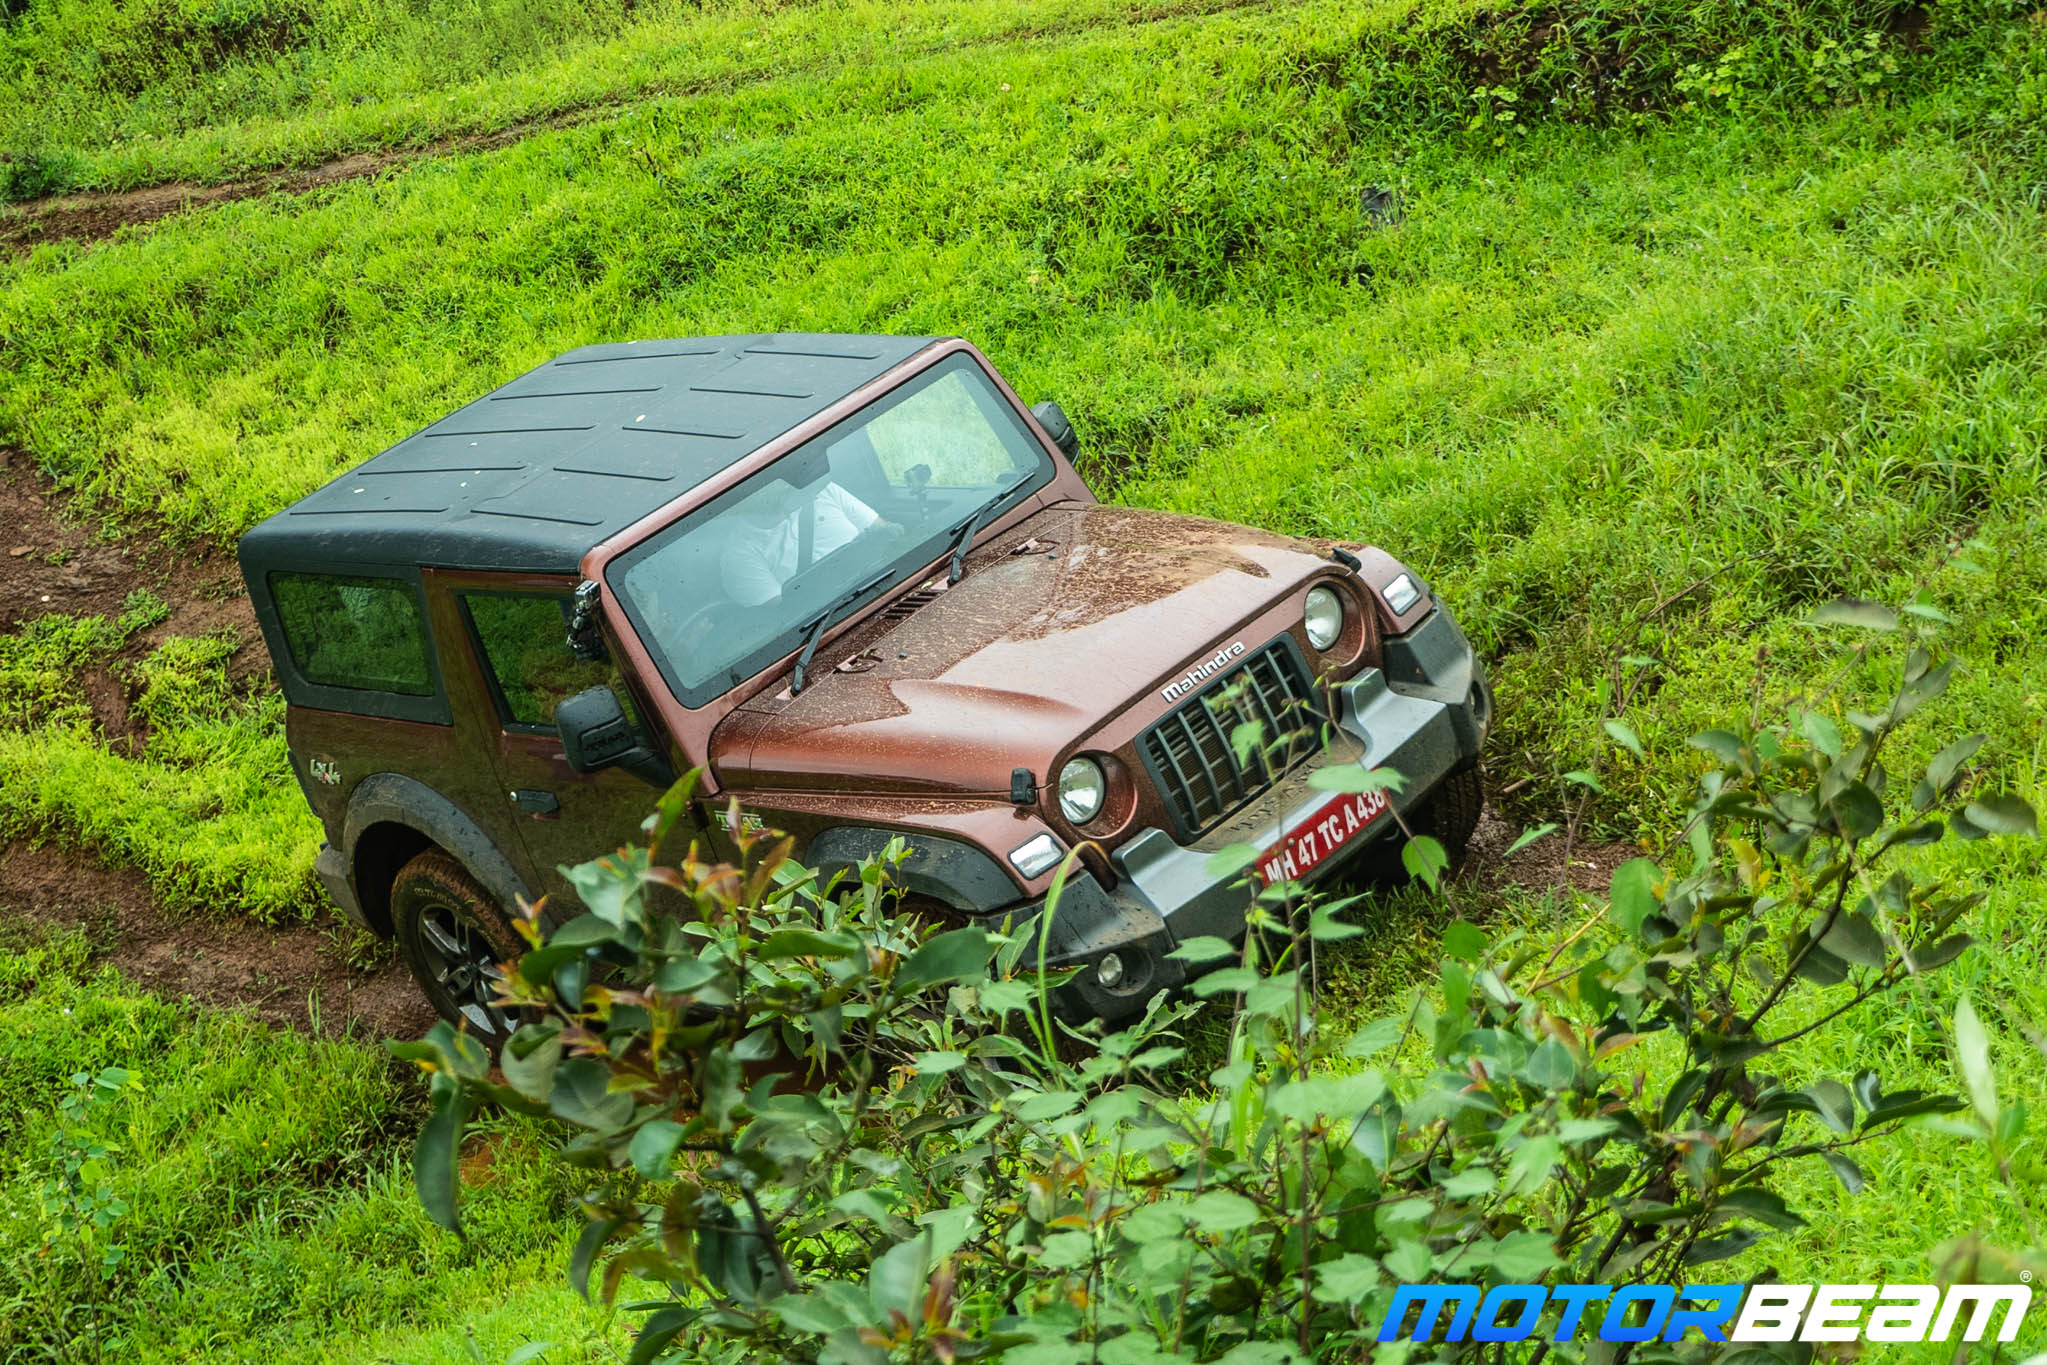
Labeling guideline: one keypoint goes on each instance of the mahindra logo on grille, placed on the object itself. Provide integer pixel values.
(1202, 672)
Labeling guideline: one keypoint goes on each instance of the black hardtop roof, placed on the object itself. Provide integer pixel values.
(531, 475)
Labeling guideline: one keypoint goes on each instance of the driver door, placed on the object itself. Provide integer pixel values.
(518, 633)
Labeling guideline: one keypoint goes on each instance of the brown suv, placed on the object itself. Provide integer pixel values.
(862, 587)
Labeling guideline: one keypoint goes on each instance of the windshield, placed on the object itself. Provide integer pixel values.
(730, 588)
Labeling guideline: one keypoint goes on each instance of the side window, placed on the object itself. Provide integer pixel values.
(360, 633)
(526, 651)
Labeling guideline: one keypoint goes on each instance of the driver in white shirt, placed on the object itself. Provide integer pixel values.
(764, 556)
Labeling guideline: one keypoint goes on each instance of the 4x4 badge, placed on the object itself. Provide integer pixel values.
(325, 771)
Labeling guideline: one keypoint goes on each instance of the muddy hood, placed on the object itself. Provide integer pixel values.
(1060, 624)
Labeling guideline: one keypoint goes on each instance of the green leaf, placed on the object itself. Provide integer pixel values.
(1325, 927)
(1532, 1163)
(1228, 979)
(1584, 779)
(1764, 1206)
(1633, 893)
(791, 943)
(653, 1147)
(957, 955)
(1857, 811)
(1204, 948)
(1625, 736)
(658, 1333)
(529, 1060)
(1908, 1104)
(1523, 1257)
(607, 888)
(1473, 1182)
(1720, 1248)
(809, 1313)
(1529, 836)
(1940, 954)
(1464, 941)
(1852, 938)
(1424, 859)
(435, 1158)
(582, 1095)
(1347, 1279)
(898, 1280)
(1941, 770)
(595, 1234)
(1857, 613)
(2003, 815)
(1226, 862)
(1972, 1055)
(1832, 1103)
(684, 975)
(938, 1063)
(1722, 744)
(1376, 1036)
(1356, 778)
(1409, 1261)
(1846, 1171)
(1820, 732)
(1221, 1211)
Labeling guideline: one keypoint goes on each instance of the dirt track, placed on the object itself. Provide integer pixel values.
(294, 975)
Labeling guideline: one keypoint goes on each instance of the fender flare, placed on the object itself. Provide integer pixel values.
(949, 870)
(393, 799)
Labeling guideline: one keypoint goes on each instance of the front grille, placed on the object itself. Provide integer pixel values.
(1190, 753)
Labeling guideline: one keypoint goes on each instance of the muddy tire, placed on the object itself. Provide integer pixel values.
(1449, 816)
(1451, 813)
(454, 939)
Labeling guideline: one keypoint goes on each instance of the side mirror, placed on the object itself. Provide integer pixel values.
(1052, 418)
(596, 734)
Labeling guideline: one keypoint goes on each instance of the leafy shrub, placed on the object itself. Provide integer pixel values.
(815, 1130)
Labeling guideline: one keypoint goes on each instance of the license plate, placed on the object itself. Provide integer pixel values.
(1310, 842)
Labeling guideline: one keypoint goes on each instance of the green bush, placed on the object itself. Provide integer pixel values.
(812, 1129)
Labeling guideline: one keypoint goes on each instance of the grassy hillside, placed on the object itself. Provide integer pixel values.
(1639, 330)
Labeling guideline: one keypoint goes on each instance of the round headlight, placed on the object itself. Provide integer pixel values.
(1081, 789)
(1323, 617)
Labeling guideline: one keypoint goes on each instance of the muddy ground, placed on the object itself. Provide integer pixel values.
(294, 975)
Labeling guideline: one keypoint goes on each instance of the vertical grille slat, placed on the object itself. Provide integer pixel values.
(1189, 748)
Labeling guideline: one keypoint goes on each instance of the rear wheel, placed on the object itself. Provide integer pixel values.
(455, 941)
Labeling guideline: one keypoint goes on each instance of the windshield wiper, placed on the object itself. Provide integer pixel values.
(814, 632)
(963, 540)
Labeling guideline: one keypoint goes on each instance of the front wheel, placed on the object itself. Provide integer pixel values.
(1451, 813)
(455, 941)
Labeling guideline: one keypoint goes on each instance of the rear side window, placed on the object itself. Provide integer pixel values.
(360, 633)
(525, 644)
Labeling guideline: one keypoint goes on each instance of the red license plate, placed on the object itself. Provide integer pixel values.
(1311, 841)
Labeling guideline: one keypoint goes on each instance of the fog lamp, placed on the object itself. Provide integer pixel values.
(1109, 970)
(1035, 857)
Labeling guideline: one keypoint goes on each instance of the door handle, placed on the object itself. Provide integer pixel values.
(537, 804)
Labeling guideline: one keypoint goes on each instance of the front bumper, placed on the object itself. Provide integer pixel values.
(1425, 715)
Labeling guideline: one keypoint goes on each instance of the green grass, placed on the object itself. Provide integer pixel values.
(1773, 346)
(271, 1214)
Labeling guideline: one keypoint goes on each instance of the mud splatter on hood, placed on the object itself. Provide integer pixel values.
(1056, 627)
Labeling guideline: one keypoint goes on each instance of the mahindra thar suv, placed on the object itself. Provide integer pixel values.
(862, 588)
